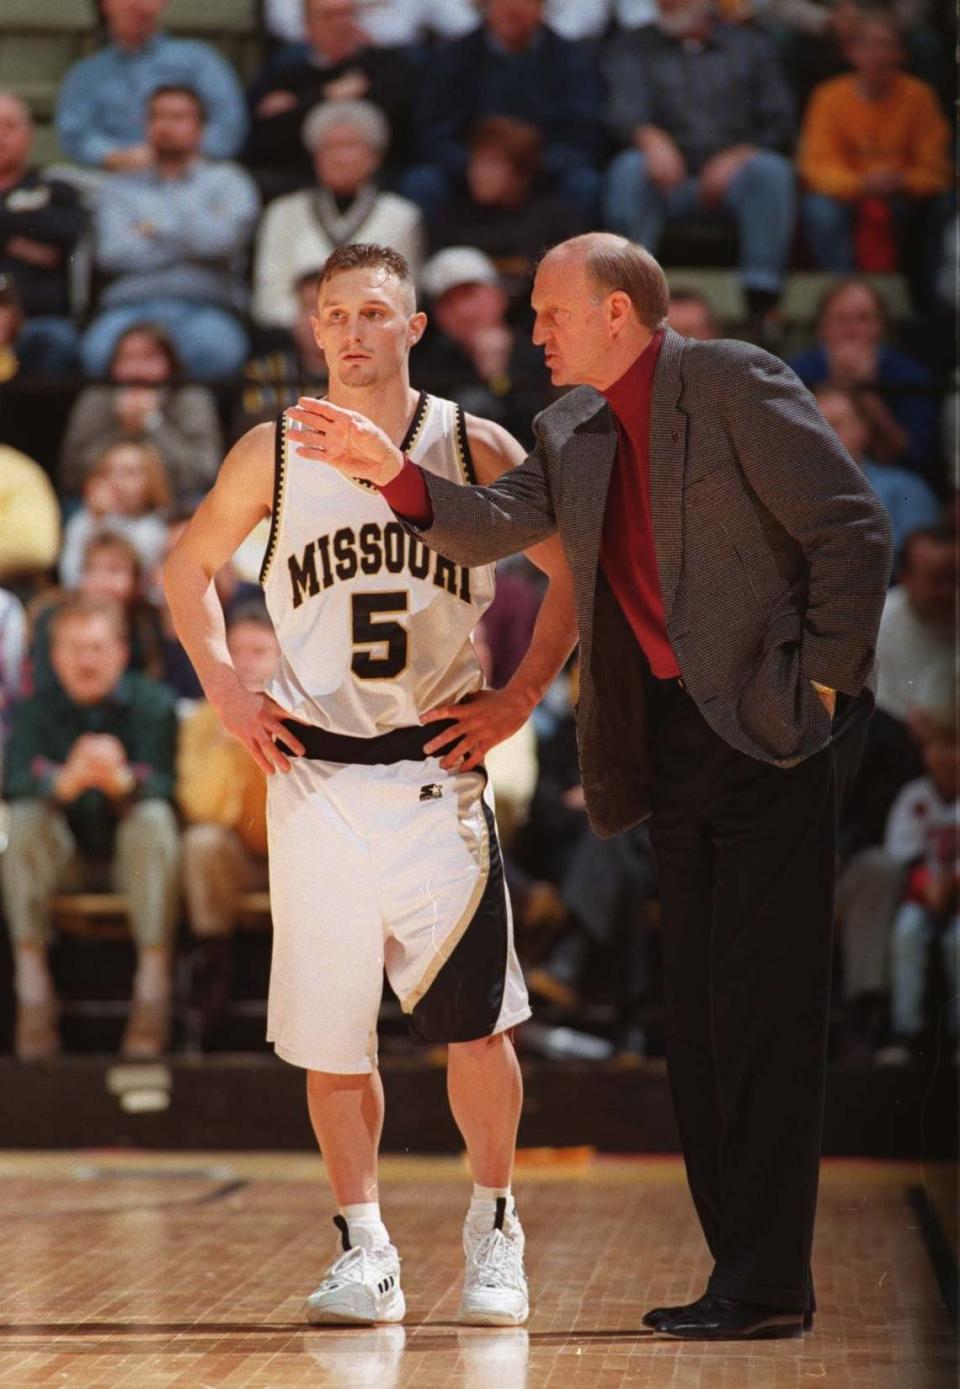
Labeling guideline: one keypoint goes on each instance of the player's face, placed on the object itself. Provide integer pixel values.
(570, 324)
(365, 326)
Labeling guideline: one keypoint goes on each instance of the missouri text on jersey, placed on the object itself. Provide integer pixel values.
(372, 549)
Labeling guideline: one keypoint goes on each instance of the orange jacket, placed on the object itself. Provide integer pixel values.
(218, 781)
(845, 136)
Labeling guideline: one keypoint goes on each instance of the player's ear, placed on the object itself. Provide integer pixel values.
(416, 327)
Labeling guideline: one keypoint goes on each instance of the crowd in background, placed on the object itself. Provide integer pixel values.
(156, 291)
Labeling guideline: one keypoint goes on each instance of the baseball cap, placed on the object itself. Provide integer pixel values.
(457, 265)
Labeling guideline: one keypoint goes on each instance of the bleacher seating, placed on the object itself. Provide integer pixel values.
(41, 39)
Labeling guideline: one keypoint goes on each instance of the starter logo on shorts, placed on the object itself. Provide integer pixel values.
(431, 792)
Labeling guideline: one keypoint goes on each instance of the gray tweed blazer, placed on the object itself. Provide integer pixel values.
(773, 554)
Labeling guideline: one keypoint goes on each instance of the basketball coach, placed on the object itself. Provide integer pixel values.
(730, 563)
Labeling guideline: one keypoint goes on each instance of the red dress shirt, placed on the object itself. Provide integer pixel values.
(627, 551)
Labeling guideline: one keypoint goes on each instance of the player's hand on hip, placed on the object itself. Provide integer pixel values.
(347, 441)
(480, 721)
(256, 721)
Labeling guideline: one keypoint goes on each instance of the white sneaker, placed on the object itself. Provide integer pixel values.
(361, 1286)
(494, 1284)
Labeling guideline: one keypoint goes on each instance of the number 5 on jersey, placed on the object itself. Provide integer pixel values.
(370, 631)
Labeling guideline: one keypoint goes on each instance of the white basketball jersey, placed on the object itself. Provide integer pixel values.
(374, 627)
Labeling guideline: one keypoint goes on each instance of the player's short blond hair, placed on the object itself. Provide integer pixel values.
(367, 255)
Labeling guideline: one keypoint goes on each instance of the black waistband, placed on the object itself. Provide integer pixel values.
(399, 745)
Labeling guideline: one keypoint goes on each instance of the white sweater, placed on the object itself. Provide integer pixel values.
(291, 243)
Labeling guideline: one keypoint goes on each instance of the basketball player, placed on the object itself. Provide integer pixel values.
(383, 849)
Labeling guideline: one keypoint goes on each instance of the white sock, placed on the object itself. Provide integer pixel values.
(151, 983)
(483, 1205)
(33, 982)
(364, 1226)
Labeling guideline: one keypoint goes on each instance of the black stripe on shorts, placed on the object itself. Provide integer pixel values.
(463, 1003)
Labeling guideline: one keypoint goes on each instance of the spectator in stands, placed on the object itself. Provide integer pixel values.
(347, 140)
(103, 99)
(692, 316)
(915, 644)
(145, 402)
(13, 656)
(472, 353)
(89, 777)
(222, 795)
(909, 502)
(501, 212)
(233, 588)
(127, 492)
(706, 113)
(507, 625)
(917, 661)
(337, 62)
(29, 517)
(513, 65)
(404, 22)
(11, 322)
(110, 571)
(896, 392)
(41, 221)
(33, 406)
(276, 379)
(922, 836)
(172, 237)
(874, 156)
(601, 889)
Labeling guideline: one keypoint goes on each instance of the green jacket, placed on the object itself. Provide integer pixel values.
(141, 713)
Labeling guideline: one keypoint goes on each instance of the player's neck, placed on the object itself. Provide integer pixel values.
(389, 404)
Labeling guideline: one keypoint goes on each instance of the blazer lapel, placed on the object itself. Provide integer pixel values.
(668, 438)
(591, 449)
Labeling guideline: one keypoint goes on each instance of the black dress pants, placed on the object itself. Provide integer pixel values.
(745, 857)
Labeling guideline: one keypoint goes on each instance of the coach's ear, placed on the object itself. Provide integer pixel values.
(415, 329)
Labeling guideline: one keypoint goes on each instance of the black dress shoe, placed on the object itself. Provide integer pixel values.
(724, 1319)
(656, 1315)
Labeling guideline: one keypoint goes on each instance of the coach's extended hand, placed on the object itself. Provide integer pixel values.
(345, 440)
(479, 722)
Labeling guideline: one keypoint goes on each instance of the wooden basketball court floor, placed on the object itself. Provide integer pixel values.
(188, 1271)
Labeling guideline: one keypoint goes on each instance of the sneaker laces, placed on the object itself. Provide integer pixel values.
(352, 1266)
(494, 1262)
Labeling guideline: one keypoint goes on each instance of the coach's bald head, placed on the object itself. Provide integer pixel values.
(598, 300)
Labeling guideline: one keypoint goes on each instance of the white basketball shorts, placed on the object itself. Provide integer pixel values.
(390, 867)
